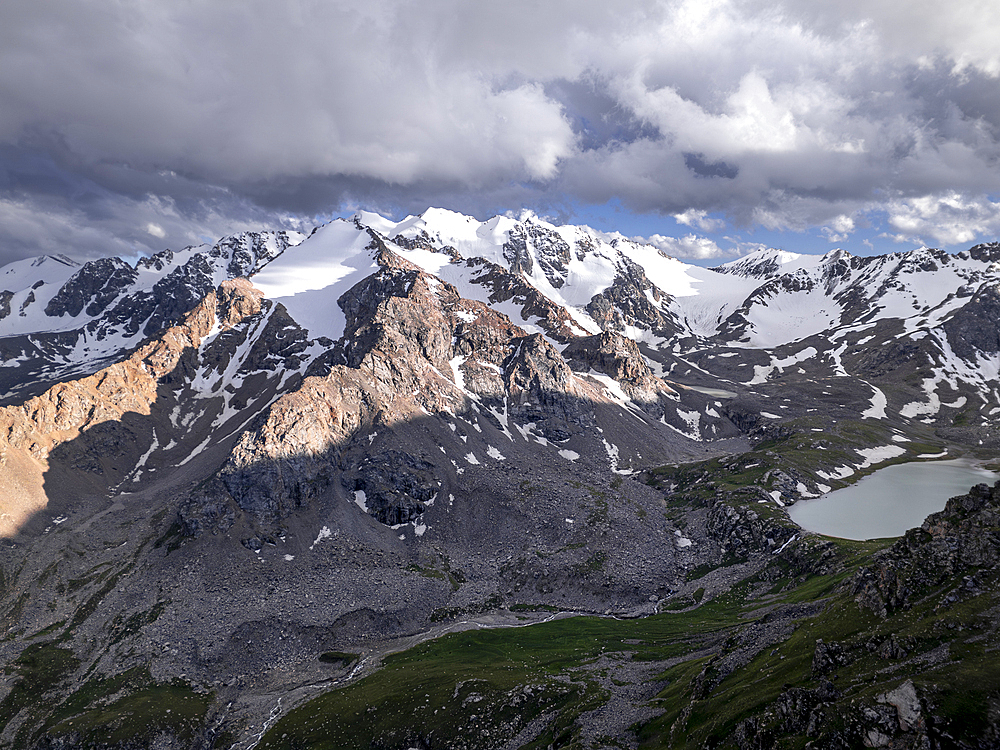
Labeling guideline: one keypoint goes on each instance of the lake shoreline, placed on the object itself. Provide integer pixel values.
(891, 500)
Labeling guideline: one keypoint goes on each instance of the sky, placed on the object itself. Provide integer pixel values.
(706, 127)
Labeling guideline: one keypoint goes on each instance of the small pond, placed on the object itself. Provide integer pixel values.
(890, 501)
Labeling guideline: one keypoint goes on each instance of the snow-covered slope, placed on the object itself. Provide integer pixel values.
(60, 319)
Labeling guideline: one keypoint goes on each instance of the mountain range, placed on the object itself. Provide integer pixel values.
(240, 475)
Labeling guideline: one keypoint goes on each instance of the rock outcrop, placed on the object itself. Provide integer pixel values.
(950, 546)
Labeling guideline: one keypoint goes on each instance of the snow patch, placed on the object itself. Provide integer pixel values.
(879, 454)
(324, 533)
(878, 404)
(840, 472)
(359, 500)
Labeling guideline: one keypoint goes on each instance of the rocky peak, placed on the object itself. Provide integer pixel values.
(237, 301)
(633, 300)
(762, 264)
(96, 285)
(157, 262)
(988, 252)
(551, 251)
(248, 252)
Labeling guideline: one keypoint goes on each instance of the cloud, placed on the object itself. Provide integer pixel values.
(786, 115)
(689, 246)
(699, 220)
(963, 32)
(123, 227)
(259, 90)
(948, 219)
(839, 229)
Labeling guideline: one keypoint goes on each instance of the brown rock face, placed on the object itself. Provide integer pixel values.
(236, 300)
(412, 347)
(30, 432)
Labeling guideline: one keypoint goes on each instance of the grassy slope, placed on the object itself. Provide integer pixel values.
(478, 689)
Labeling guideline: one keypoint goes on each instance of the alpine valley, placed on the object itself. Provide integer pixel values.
(443, 483)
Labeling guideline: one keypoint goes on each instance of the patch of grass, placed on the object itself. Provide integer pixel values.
(471, 688)
(172, 538)
(88, 607)
(141, 715)
(593, 564)
(40, 668)
(48, 630)
(124, 628)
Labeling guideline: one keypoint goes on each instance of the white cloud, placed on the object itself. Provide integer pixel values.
(839, 229)
(156, 230)
(689, 246)
(699, 220)
(949, 219)
(787, 115)
(963, 31)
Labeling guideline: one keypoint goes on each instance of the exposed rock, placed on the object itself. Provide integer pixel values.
(908, 707)
(827, 657)
(633, 300)
(94, 286)
(98, 406)
(5, 298)
(961, 538)
(506, 286)
(972, 331)
(549, 248)
(396, 486)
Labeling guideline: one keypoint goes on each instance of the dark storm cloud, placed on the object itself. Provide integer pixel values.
(127, 127)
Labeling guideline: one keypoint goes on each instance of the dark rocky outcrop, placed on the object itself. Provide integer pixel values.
(633, 300)
(551, 251)
(95, 286)
(396, 486)
(950, 546)
(973, 331)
